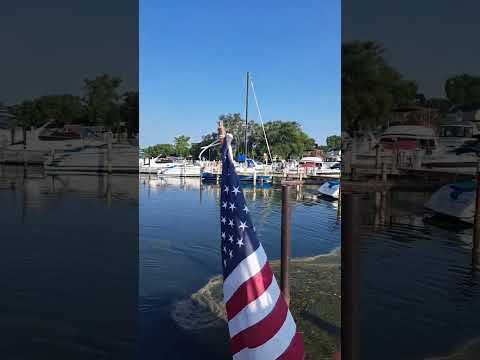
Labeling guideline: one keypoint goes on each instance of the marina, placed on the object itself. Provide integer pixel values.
(196, 253)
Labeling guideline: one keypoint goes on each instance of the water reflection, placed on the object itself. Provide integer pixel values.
(69, 264)
(419, 280)
(180, 249)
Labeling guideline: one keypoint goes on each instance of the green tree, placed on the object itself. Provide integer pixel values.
(286, 140)
(440, 104)
(370, 87)
(463, 89)
(101, 100)
(214, 152)
(334, 142)
(65, 109)
(162, 150)
(182, 145)
(129, 110)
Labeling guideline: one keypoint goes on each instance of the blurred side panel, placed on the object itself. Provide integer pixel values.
(69, 179)
(410, 137)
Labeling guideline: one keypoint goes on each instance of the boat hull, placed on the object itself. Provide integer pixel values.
(330, 188)
(455, 200)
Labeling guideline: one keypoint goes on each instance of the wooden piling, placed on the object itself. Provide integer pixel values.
(476, 225)
(109, 152)
(285, 245)
(350, 274)
(384, 172)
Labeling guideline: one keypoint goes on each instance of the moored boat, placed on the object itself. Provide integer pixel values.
(455, 200)
(330, 188)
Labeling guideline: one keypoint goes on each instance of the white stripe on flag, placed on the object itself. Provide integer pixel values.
(274, 347)
(256, 310)
(247, 268)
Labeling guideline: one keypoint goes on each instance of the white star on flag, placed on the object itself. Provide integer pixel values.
(232, 206)
(223, 220)
(243, 225)
(230, 253)
(245, 209)
(240, 242)
(226, 189)
(230, 238)
(224, 263)
(224, 249)
(224, 204)
(230, 222)
(223, 235)
(236, 190)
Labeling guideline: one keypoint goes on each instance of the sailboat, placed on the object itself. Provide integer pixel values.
(249, 169)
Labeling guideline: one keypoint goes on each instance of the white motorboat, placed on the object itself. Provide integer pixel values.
(180, 170)
(313, 165)
(95, 159)
(454, 132)
(154, 165)
(456, 200)
(330, 188)
(41, 142)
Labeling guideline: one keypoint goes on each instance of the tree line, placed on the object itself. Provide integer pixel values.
(286, 139)
(371, 88)
(101, 104)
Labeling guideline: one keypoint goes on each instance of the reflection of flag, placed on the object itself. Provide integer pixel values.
(259, 321)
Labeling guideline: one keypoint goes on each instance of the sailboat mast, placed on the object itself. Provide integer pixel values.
(246, 115)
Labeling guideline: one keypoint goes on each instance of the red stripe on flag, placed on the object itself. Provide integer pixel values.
(262, 331)
(295, 350)
(249, 291)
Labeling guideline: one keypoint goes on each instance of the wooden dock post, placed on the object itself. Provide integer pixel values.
(476, 224)
(285, 245)
(350, 275)
(384, 172)
(109, 152)
(254, 177)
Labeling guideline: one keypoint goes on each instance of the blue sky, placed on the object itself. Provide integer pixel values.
(194, 55)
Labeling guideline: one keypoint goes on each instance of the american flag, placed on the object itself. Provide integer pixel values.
(259, 321)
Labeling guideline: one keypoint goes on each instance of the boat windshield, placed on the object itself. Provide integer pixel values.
(456, 131)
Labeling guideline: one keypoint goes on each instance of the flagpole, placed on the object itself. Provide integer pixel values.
(221, 131)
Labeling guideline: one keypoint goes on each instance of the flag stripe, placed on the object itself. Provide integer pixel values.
(256, 310)
(274, 347)
(294, 350)
(249, 291)
(262, 331)
(248, 267)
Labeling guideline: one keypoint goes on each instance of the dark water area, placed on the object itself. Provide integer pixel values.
(419, 283)
(69, 265)
(180, 251)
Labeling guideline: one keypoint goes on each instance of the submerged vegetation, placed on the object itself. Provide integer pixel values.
(315, 305)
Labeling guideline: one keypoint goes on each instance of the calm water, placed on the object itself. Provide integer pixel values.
(69, 266)
(179, 249)
(71, 261)
(420, 286)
